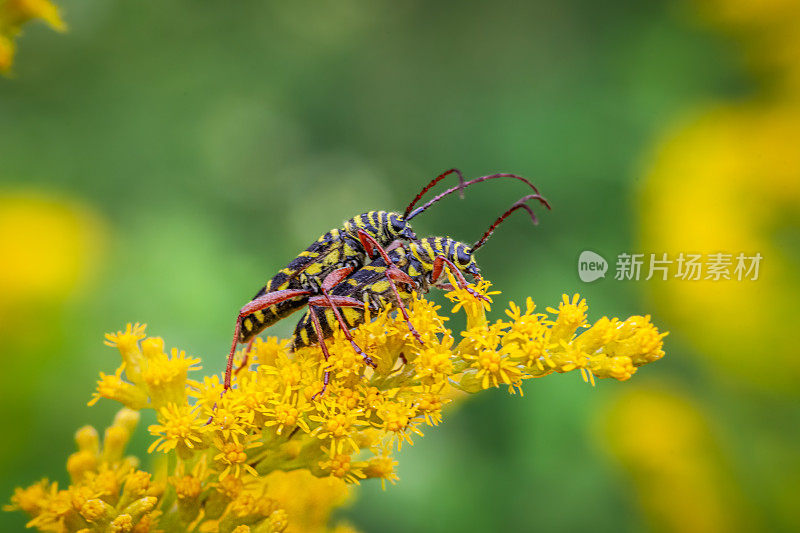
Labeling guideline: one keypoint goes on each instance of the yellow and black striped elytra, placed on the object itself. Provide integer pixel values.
(371, 286)
(338, 248)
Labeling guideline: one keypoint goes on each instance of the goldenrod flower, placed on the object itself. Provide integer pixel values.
(342, 467)
(113, 387)
(433, 362)
(231, 416)
(188, 488)
(178, 427)
(127, 342)
(283, 415)
(475, 300)
(396, 418)
(571, 316)
(338, 425)
(233, 456)
(165, 376)
(382, 467)
(31, 499)
(208, 392)
(239, 460)
(266, 352)
(493, 368)
(429, 404)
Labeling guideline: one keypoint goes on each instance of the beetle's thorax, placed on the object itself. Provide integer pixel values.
(384, 226)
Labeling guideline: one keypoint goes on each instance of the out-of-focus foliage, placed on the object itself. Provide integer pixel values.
(215, 141)
(769, 33)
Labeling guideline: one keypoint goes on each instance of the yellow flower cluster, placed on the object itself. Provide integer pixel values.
(14, 14)
(242, 460)
(108, 492)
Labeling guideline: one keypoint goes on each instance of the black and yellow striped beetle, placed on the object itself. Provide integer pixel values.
(388, 281)
(329, 260)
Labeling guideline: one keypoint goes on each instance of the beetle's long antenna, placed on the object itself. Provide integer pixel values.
(519, 204)
(433, 182)
(461, 187)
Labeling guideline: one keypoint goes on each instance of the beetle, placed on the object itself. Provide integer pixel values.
(388, 282)
(330, 259)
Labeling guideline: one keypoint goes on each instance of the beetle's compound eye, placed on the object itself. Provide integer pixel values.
(401, 228)
(463, 256)
(397, 224)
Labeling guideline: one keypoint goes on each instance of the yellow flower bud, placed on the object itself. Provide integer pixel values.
(114, 443)
(127, 418)
(140, 507)
(80, 463)
(88, 440)
(121, 524)
(97, 512)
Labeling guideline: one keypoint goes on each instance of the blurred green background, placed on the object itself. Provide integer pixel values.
(161, 160)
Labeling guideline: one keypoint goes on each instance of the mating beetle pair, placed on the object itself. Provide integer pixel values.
(333, 272)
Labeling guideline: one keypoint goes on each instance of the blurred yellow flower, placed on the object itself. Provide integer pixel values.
(730, 182)
(726, 181)
(50, 247)
(14, 14)
(681, 476)
(232, 455)
(770, 30)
